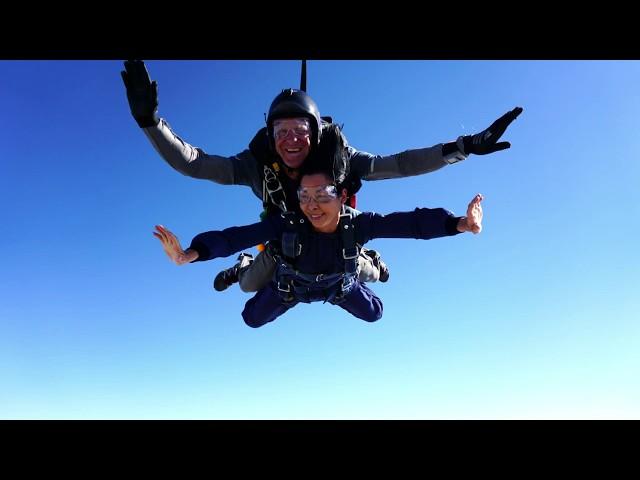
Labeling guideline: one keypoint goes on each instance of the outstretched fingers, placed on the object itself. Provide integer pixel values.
(500, 126)
(161, 233)
(170, 243)
(474, 214)
(501, 146)
(474, 204)
(515, 112)
(137, 73)
(510, 116)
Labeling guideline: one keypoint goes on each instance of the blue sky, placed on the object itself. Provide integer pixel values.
(537, 317)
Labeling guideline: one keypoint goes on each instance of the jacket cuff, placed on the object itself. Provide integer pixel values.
(453, 152)
(203, 251)
(451, 225)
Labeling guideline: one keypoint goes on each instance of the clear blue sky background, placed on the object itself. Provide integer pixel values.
(537, 317)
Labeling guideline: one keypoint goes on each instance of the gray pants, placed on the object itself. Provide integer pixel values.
(256, 273)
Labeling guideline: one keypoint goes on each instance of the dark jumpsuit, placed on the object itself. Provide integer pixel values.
(322, 254)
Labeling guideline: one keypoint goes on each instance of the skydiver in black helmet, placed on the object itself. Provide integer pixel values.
(271, 164)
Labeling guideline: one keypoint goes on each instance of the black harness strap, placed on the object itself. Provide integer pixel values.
(350, 249)
(272, 188)
(291, 238)
(294, 285)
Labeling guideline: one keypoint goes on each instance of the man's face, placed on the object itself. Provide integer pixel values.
(320, 202)
(292, 138)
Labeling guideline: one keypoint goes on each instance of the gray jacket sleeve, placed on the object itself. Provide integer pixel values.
(240, 169)
(404, 164)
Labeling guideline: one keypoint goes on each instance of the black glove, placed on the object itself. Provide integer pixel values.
(141, 92)
(485, 141)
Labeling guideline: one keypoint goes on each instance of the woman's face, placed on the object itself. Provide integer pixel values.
(320, 202)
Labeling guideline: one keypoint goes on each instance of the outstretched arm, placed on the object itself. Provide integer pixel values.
(219, 243)
(172, 248)
(424, 160)
(222, 243)
(421, 223)
(473, 221)
(142, 94)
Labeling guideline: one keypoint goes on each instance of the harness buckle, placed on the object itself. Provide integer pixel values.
(288, 289)
(271, 178)
(273, 186)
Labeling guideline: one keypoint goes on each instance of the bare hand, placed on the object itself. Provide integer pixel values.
(172, 247)
(474, 214)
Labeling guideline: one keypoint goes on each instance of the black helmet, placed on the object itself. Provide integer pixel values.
(292, 103)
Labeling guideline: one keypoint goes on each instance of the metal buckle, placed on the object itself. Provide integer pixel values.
(270, 177)
(288, 290)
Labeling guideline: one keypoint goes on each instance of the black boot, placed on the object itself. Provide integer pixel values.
(378, 262)
(226, 278)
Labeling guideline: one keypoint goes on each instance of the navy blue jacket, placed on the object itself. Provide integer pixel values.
(322, 252)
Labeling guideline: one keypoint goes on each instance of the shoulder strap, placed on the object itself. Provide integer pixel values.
(272, 191)
(291, 242)
(267, 165)
(349, 248)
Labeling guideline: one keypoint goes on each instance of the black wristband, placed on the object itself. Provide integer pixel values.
(449, 148)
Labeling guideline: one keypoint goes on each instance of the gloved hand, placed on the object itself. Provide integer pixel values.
(485, 141)
(142, 93)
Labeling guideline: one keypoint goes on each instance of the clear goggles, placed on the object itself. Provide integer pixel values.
(321, 194)
(299, 127)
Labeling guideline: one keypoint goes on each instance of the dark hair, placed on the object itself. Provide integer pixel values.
(331, 157)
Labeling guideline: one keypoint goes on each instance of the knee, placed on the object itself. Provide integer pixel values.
(367, 271)
(375, 313)
(247, 286)
(252, 278)
(252, 325)
(368, 275)
(250, 282)
(373, 316)
(250, 319)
